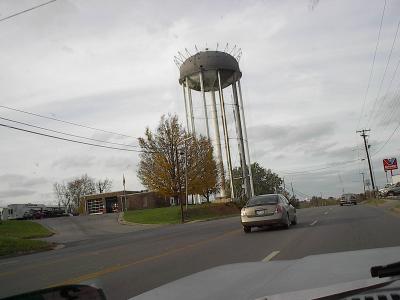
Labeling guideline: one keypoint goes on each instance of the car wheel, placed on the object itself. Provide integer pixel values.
(294, 222)
(341, 204)
(246, 229)
(390, 194)
(286, 224)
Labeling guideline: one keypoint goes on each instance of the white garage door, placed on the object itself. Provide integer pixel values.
(95, 206)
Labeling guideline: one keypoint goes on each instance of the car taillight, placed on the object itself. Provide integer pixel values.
(278, 209)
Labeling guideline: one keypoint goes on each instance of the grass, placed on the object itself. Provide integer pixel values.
(375, 202)
(15, 237)
(172, 215)
(396, 209)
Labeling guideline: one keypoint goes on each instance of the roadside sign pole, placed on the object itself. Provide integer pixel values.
(387, 180)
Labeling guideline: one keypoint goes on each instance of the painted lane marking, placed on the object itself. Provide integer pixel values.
(325, 213)
(8, 262)
(271, 256)
(119, 267)
(313, 223)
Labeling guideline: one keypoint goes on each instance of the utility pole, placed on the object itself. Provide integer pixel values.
(363, 179)
(179, 184)
(364, 136)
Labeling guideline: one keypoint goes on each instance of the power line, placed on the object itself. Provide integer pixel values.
(387, 141)
(62, 121)
(387, 92)
(333, 165)
(68, 134)
(384, 74)
(393, 109)
(26, 10)
(69, 140)
(372, 66)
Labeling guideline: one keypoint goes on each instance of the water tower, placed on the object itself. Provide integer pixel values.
(212, 72)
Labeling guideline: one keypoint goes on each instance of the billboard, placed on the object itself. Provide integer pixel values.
(389, 164)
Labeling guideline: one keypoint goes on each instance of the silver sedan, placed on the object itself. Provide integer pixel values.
(270, 209)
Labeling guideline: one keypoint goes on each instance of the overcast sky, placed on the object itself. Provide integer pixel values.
(109, 65)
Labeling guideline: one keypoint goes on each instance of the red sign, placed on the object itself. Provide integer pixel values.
(389, 164)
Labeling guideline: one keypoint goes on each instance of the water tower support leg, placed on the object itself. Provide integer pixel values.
(240, 140)
(205, 104)
(218, 150)
(226, 136)
(190, 106)
(246, 140)
(186, 108)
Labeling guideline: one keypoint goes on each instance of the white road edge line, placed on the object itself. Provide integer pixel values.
(313, 223)
(325, 213)
(8, 262)
(271, 256)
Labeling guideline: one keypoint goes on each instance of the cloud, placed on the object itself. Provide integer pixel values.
(289, 136)
(75, 162)
(17, 193)
(16, 180)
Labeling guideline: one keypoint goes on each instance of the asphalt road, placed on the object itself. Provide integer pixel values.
(127, 264)
(79, 228)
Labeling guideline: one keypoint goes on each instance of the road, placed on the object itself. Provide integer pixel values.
(127, 264)
(73, 229)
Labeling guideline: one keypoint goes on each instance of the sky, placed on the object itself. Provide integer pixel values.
(110, 65)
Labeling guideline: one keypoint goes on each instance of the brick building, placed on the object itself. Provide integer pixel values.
(115, 201)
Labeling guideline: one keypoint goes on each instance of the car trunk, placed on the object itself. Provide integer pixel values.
(262, 210)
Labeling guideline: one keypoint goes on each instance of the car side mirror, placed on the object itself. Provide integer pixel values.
(63, 292)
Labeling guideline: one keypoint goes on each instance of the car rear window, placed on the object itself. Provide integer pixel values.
(263, 200)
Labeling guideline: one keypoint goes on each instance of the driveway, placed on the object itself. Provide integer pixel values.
(78, 228)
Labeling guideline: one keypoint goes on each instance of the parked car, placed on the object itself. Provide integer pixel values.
(394, 190)
(270, 209)
(348, 199)
(382, 192)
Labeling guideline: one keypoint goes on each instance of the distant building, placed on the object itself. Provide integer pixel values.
(115, 201)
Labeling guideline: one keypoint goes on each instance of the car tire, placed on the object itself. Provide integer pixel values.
(246, 229)
(294, 222)
(390, 194)
(341, 204)
(287, 222)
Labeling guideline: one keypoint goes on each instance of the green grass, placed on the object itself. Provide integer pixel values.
(375, 202)
(23, 229)
(163, 215)
(9, 245)
(15, 237)
(172, 215)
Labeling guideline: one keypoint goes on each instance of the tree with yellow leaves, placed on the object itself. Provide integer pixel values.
(162, 163)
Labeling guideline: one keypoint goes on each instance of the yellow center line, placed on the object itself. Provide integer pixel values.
(271, 256)
(89, 253)
(119, 267)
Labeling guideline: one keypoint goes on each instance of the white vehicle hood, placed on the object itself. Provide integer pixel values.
(254, 280)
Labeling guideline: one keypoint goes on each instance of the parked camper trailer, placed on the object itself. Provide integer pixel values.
(3, 213)
(24, 211)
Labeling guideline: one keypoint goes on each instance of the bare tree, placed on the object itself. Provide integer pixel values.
(103, 186)
(69, 193)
